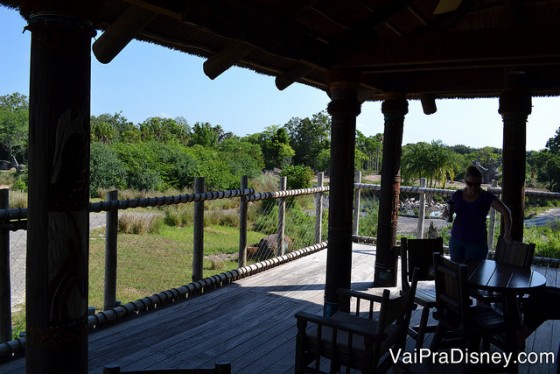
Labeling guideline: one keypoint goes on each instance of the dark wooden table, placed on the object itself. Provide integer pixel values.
(508, 281)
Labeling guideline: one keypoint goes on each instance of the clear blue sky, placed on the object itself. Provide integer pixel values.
(146, 80)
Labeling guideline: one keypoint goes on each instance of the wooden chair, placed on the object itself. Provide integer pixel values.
(219, 368)
(517, 254)
(419, 253)
(455, 315)
(354, 340)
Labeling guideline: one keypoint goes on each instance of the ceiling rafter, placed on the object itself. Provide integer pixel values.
(438, 50)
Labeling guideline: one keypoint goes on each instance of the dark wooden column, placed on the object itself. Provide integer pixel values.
(343, 108)
(515, 107)
(58, 221)
(394, 109)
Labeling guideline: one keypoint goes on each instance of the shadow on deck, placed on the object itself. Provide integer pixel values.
(251, 324)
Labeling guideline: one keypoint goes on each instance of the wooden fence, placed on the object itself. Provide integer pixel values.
(15, 219)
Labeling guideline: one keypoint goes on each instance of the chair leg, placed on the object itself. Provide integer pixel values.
(436, 340)
(422, 327)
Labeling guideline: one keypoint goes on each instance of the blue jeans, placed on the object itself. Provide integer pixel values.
(461, 251)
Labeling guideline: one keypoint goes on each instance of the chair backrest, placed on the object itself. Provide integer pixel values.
(219, 368)
(418, 253)
(517, 253)
(399, 310)
(452, 294)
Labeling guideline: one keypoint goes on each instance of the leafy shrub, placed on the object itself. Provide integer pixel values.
(298, 176)
(106, 170)
(21, 181)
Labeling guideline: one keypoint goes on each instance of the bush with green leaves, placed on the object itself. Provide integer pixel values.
(106, 170)
(298, 176)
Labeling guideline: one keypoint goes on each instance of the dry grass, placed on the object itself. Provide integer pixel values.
(140, 223)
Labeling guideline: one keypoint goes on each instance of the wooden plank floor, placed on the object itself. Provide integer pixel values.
(251, 324)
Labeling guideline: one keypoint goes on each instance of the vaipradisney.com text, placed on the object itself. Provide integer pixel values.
(464, 356)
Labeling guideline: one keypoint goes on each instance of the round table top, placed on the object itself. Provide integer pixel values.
(492, 275)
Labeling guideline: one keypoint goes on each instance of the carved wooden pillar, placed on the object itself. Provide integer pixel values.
(394, 109)
(58, 220)
(343, 108)
(515, 107)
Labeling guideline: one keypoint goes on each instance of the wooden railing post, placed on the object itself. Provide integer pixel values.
(242, 261)
(357, 197)
(5, 286)
(281, 218)
(319, 210)
(111, 235)
(198, 240)
(492, 221)
(421, 211)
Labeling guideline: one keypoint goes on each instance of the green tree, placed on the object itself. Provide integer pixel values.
(275, 145)
(553, 143)
(206, 135)
(108, 128)
(308, 137)
(371, 147)
(164, 130)
(433, 161)
(14, 126)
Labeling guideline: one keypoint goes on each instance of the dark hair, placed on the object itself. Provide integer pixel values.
(472, 171)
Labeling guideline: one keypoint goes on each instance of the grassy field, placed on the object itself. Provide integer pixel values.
(151, 263)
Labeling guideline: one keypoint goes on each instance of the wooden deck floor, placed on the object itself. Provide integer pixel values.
(251, 324)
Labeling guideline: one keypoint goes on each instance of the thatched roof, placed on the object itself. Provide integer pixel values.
(476, 50)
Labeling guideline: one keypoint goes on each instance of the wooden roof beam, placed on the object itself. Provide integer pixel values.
(286, 79)
(226, 58)
(251, 25)
(121, 32)
(457, 50)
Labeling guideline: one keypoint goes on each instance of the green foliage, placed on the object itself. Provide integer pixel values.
(368, 151)
(368, 221)
(211, 165)
(300, 226)
(546, 239)
(164, 130)
(275, 146)
(242, 157)
(553, 143)
(140, 165)
(546, 165)
(298, 176)
(21, 181)
(205, 134)
(433, 161)
(308, 137)
(14, 125)
(106, 170)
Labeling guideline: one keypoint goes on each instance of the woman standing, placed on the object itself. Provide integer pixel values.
(468, 234)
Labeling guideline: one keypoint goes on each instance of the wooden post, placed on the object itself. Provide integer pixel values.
(515, 107)
(492, 221)
(58, 196)
(343, 108)
(198, 240)
(5, 285)
(421, 211)
(357, 196)
(394, 109)
(281, 219)
(319, 209)
(111, 234)
(242, 257)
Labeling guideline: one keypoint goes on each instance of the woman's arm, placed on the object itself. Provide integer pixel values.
(499, 206)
